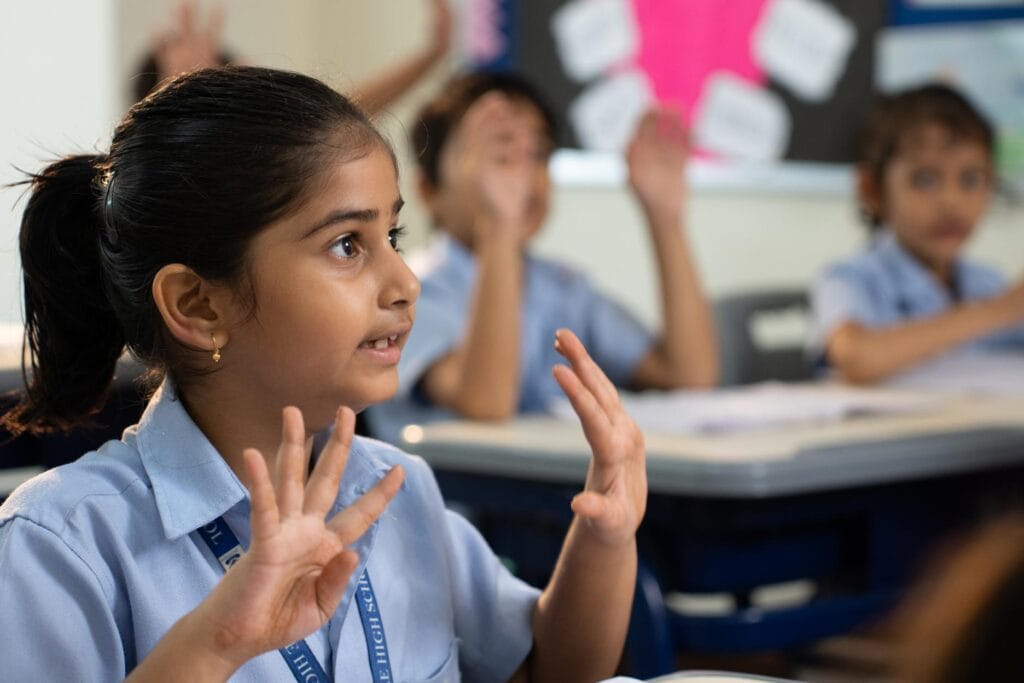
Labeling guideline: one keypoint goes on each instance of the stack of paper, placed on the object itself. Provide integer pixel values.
(759, 406)
(986, 374)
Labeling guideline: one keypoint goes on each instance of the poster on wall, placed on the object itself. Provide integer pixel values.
(757, 81)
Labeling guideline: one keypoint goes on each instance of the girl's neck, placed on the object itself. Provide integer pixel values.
(232, 424)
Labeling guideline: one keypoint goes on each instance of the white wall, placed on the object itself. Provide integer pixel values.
(57, 76)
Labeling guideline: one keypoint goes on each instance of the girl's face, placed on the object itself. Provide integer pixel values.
(334, 299)
(934, 192)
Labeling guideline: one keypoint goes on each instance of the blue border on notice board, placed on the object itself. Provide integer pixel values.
(910, 13)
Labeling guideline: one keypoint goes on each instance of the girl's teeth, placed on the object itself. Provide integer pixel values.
(380, 344)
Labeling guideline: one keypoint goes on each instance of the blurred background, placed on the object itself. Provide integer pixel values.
(67, 74)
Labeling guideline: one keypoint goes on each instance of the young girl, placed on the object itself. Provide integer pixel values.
(488, 307)
(241, 239)
(925, 180)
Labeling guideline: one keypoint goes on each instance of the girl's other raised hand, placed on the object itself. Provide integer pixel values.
(614, 498)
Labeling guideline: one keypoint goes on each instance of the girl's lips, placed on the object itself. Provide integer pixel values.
(386, 351)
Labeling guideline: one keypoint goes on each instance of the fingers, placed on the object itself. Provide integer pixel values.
(261, 493)
(590, 505)
(592, 418)
(333, 579)
(186, 13)
(215, 26)
(353, 521)
(595, 381)
(292, 462)
(322, 489)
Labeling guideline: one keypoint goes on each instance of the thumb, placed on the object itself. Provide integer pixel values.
(590, 505)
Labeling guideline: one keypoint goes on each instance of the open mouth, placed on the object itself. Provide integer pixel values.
(382, 343)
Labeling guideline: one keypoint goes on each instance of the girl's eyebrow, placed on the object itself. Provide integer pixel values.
(345, 215)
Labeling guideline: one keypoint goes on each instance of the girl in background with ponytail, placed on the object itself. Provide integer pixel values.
(240, 239)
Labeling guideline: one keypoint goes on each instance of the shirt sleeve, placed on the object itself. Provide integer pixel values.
(836, 298)
(615, 339)
(493, 609)
(56, 620)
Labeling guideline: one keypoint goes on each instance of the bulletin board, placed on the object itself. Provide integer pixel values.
(756, 80)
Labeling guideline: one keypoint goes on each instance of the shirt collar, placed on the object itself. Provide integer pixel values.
(192, 483)
(915, 282)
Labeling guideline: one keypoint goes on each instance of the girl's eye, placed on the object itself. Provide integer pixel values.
(924, 178)
(395, 237)
(345, 246)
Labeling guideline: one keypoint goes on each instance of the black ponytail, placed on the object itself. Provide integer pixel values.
(73, 336)
(196, 170)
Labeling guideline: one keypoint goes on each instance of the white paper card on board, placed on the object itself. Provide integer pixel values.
(741, 120)
(804, 44)
(593, 35)
(605, 114)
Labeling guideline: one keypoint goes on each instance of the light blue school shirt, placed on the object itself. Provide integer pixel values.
(99, 558)
(554, 296)
(885, 285)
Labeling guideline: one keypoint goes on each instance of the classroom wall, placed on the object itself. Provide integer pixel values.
(78, 87)
(58, 82)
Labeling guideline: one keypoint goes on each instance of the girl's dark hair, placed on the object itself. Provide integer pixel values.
(896, 117)
(194, 172)
(439, 117)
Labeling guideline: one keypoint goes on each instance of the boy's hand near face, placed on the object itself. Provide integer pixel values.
(489, 165)
(656, 158)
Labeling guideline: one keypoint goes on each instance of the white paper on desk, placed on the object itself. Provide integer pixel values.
(758, 406)
(605, 114)
(971, 373)
(804, 44)
(594, 35)
(741, 120)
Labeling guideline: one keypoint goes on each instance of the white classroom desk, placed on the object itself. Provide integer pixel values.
(962, 434)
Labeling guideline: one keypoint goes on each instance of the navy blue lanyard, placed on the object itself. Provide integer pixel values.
(300, 658)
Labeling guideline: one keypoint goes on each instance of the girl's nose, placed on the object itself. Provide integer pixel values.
(401, 287)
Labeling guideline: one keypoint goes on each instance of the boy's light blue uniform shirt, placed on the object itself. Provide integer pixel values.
(99, 558)
(885, 285)
(554, 296)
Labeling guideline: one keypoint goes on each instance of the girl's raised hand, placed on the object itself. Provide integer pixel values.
(614, 499)
(294, 574)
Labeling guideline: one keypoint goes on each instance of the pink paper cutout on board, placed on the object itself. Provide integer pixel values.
(683, 41)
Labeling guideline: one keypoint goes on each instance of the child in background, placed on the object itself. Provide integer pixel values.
(241, 238)
(925, 180)
(191, 44)
(488, 307)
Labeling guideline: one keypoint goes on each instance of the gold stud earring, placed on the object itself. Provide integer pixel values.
(216, 349)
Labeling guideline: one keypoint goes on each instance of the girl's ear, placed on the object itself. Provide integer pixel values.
(869, 194)
(196, 312)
